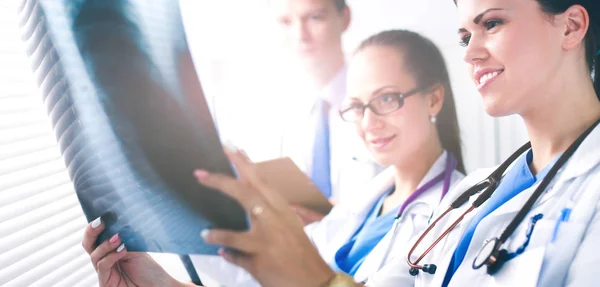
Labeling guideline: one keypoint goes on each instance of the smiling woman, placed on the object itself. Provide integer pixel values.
(536, 55)
(360, 236)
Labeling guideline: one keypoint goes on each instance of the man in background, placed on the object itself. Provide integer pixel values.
(318, 141)
(281, 99)
(299, 117)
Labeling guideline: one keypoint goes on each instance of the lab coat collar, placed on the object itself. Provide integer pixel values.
(384, 180)
(584, 159)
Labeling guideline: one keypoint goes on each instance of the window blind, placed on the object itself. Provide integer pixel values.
(41, 221)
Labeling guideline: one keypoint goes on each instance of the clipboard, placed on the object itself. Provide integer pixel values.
(295, 186)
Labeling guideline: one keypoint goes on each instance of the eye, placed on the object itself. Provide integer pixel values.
(388, 98)
(491, 24)
(316, 17)
(464, 40)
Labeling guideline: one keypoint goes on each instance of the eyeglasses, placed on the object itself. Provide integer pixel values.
(381, 105)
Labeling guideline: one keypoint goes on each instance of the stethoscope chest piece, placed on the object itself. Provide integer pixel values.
(490, 256)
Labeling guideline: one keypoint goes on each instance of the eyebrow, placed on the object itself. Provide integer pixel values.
(479, 17)
(318, 11)
(375, 92)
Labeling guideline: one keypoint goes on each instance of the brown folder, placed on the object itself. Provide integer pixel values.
(295, 186)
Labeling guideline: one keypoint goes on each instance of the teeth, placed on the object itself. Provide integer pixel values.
(487, 76)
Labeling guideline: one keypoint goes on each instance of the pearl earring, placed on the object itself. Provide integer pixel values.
(433, 119)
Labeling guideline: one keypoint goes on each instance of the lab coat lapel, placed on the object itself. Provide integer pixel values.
(362, 203)
(358, 209)
(586, 157)
(443, 251)
(373, 259)
(422, 207)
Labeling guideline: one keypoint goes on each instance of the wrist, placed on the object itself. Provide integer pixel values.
(326, 277)
(340, 279)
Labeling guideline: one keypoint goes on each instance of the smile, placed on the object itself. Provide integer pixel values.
(483, 79)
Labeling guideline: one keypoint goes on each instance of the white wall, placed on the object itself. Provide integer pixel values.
(486, 141)
(233, 47)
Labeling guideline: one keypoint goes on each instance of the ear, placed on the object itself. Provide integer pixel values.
(577, 23)
(436, 100)
(347, 18)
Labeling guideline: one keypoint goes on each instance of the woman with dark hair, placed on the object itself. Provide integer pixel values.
(532, 221)
(402, 107)
(400, 101)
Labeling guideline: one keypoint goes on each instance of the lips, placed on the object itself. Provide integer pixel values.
(381, 142)
(485, 76)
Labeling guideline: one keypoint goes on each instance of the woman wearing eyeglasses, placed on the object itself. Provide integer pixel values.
(401, 105)
(400, 102)
(532, 221)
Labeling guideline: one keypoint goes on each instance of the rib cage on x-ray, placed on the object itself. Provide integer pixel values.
(130, 119)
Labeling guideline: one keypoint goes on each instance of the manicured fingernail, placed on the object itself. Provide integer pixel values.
(223, 253)
(96, 222)
(230, 146)
(204, 233)
(121, 247)
(200, 174)
(114, 238)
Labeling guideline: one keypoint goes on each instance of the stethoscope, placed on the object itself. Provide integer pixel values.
(490, 254)
(446, 176)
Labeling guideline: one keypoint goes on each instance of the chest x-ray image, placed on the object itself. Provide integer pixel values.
(131, 119)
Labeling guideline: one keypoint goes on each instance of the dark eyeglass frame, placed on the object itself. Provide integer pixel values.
(399, 98)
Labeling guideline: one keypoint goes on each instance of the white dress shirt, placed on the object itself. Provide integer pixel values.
(351, 164)
(280, 121)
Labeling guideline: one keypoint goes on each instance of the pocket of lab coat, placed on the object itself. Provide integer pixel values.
(560, 252)
(524, 269)
(545, 250)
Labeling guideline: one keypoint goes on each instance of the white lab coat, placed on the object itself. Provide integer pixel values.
(339, 226)
(570, 260)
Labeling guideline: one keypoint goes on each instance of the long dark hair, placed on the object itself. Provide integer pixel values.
(592, 37)
(425, 62)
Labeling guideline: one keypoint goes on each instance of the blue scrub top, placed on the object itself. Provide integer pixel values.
(352, 254)
(518, 179)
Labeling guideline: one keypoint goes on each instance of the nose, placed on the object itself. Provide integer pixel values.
(475, 52)
(370, 121)
(301, 33)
